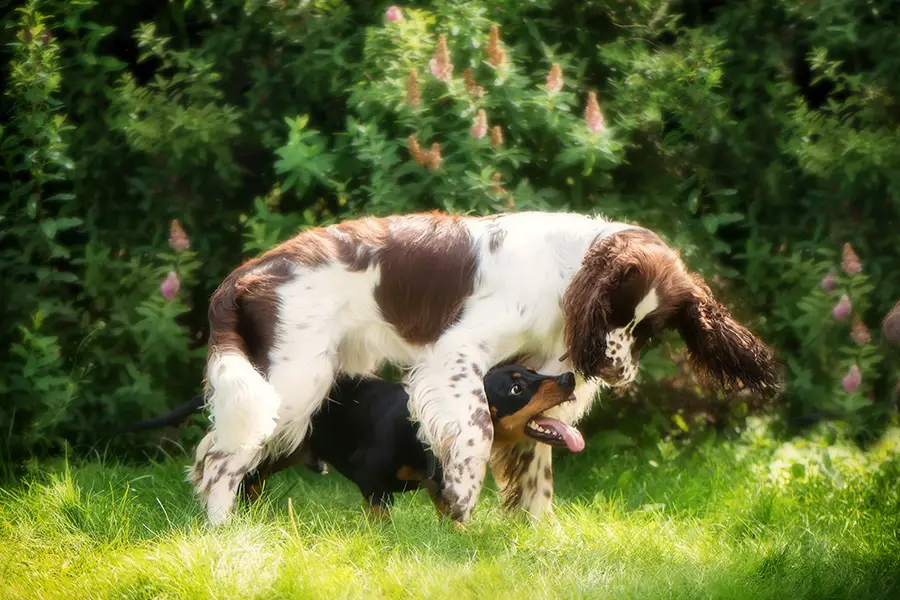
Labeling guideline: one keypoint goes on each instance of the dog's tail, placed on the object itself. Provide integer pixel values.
(176, 416)
(244, 404)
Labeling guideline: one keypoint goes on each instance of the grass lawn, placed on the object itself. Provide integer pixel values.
(747, 518)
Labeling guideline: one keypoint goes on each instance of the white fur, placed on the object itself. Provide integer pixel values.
(619, 342)
(329, 322)
(244, 405)
(647, 305)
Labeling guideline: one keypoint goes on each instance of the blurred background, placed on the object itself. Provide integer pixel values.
(149, 147)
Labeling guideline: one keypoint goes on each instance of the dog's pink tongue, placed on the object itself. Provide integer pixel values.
(572, 437)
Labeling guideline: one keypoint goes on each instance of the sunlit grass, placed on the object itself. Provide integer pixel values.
(752, 518)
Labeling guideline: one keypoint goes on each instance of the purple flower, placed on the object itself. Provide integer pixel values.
(851, 380)
(842, 309)
(393, 14)
(829, 282)
(170, 286)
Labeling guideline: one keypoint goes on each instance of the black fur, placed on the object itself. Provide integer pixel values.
(365, 432)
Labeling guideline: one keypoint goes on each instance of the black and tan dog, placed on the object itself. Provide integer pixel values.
(366, 434)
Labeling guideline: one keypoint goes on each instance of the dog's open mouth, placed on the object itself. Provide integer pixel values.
(554, 433)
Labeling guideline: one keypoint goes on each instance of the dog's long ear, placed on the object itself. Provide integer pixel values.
(586, 303)
(723, 351)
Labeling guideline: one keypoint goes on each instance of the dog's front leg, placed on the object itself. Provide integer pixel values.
(447, 398)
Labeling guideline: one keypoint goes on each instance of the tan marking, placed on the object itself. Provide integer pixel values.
(510, 429)
(407, 473)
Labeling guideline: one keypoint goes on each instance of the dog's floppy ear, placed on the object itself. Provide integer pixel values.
(586, 303)
(723, 351)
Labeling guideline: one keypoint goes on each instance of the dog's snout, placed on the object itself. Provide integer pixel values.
(567, 380)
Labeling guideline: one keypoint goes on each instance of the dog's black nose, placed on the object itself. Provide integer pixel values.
(567, 380)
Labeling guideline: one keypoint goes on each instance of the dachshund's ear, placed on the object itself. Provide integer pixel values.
(723, 351)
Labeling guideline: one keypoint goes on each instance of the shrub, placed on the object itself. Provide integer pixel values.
(758, 138)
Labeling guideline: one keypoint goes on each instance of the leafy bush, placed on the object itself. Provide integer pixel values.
(758, 138)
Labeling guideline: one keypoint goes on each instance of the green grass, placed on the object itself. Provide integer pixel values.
(747, 518)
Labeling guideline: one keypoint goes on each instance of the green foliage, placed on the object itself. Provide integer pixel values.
(756, 137)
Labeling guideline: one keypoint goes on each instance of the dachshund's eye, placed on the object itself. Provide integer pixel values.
(515, 390)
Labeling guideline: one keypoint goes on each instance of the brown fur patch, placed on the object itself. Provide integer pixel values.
(616, 273)
(428, 269)
(723, 351)
(359, 242)
(244, 309)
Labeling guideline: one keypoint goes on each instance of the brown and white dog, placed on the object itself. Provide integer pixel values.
(447, 297)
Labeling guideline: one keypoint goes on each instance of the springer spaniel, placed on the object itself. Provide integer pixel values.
(447, 297)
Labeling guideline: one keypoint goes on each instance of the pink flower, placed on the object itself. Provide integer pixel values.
(860, 333)
(480, 127)
(850, 263)
(393, 14)
(851, 380)
(178, 239)
(170, 286)
(440, 64)
(592, 115)
(555, 79)
(829, 282)
(413, 97)
(842, 309)
(496, 55)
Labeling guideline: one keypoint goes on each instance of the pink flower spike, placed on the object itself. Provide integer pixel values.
(170, 286)
(440, 64)
(178, 239)
(393, 14)
(852, 380)
(860, 333)
(850, 261)
(592, 115)
(480, 127)
(842, 309)
(555, 79)
(829, 282)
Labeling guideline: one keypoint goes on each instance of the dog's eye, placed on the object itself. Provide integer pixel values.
(515, 390)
